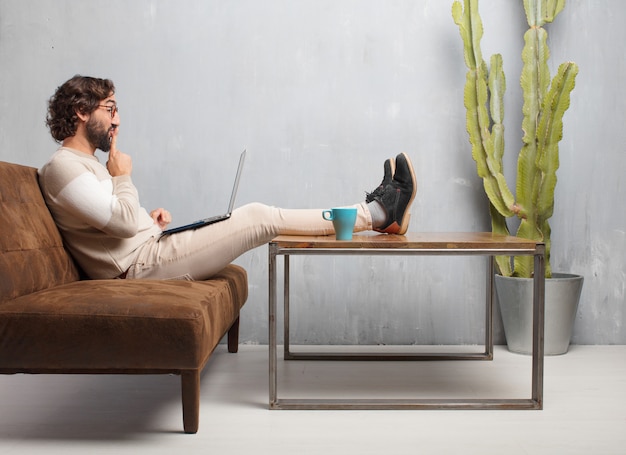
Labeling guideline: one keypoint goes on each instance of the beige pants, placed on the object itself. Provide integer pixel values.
(200, 253)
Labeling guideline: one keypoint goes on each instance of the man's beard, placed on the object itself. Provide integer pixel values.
(97, 135)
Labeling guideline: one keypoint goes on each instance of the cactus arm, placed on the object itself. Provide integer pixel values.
(475, 93)
(497, 87)
(540, 12)
(476, 117)
(553, 8)
(471, 29)
(501, 197)
(550, 134)
(487, 141)
(534, 80)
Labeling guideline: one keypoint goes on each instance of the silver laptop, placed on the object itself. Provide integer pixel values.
(217, 218)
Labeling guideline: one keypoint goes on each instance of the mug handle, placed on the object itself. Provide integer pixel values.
(328, 215)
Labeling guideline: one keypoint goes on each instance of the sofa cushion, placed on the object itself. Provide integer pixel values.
(32, 256)
(121, 324)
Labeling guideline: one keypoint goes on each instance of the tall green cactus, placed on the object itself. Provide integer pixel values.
(545, 103)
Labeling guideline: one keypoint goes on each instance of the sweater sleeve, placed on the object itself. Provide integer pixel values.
(110, 205)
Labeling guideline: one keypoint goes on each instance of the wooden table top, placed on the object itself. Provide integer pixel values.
(411, 240)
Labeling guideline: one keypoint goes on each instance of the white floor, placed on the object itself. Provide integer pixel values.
(584, 409)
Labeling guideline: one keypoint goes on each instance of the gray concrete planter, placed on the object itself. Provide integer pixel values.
(515, 297)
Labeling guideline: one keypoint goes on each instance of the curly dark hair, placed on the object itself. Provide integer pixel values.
(79, 94)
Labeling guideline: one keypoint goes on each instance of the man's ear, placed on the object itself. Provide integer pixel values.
(82, 115)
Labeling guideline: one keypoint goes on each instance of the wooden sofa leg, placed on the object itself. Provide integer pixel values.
(233, 337)
(190, 384)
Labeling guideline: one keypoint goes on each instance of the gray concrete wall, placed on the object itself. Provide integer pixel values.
(320, 93)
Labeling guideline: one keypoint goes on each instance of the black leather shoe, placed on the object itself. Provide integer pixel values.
(390, 168)
(398, 196)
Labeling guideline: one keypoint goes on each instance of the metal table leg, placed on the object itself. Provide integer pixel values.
(273, 381)
(538, 325)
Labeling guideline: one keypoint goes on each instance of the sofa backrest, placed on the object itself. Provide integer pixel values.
(32, 256)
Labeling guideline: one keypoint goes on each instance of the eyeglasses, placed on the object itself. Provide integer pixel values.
(112, 109)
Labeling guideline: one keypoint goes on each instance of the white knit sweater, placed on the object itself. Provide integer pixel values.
(98, 215)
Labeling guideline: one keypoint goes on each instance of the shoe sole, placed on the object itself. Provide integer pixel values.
(406, 219)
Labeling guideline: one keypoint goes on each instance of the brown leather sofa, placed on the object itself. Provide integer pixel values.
(52, 321)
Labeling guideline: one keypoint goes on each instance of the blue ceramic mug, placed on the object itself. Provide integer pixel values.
(343, 219)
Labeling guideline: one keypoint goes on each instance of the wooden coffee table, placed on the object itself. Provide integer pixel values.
(412, 244)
